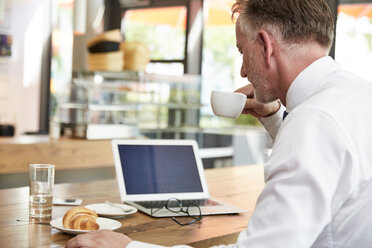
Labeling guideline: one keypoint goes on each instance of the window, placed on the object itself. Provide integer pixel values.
(163, 29)
(354, 38)
(221, 60)
(62, 46)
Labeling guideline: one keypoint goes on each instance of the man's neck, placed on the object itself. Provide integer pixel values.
(292, 65)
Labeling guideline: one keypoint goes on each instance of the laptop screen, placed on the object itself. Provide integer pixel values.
(153, 169)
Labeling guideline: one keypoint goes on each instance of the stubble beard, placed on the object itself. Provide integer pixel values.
(258, 78)
(261, 93)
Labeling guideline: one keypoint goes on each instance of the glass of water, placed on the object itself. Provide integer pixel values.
(41, 192)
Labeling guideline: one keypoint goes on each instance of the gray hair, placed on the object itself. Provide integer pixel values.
(295, 23)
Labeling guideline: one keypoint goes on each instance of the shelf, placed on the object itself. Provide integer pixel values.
(175, 105)
(98, 107)
(122, 97)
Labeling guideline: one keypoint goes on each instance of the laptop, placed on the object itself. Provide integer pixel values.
(150, 172)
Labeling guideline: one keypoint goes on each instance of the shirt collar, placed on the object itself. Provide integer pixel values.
(309, 80)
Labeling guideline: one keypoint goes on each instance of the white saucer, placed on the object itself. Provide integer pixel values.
(104, 224)
(105, 210)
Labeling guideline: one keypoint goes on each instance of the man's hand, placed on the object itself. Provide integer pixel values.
(99, 239)
(255, 108)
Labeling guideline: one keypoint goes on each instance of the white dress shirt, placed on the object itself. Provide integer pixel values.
(318, 190)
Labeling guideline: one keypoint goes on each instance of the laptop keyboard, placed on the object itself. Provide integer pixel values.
(185, 203)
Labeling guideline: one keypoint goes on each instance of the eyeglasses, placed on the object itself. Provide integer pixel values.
(191, 210)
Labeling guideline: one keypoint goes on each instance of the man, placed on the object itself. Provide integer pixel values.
(318, 177)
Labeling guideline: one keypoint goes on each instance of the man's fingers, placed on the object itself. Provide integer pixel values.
(250, 106)
(259, 110)
(82, 240)
(252, 103)
(99, 239)
(246, 90)
(251, 112)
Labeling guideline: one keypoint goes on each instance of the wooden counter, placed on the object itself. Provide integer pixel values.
(17, 153)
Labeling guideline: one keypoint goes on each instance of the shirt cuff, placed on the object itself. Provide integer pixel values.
(273, 122)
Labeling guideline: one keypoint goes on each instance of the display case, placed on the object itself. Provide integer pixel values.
(106, 105)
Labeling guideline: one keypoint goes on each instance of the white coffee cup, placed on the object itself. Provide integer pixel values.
(227, 104)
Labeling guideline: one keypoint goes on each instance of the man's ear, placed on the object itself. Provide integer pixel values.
(265, 41)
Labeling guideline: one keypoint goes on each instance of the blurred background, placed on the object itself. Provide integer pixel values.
(103, 69)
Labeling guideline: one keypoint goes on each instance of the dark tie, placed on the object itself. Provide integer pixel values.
(285, 113)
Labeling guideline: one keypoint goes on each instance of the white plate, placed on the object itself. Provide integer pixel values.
(104, 224)
(105, 210)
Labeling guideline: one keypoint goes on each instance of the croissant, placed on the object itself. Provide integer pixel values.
(80, 219)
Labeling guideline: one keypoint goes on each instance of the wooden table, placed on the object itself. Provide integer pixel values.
(239, 186)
